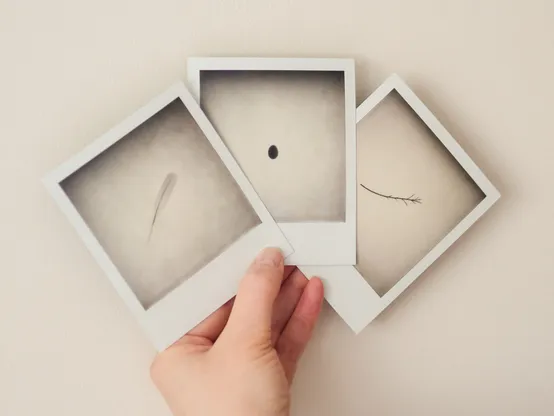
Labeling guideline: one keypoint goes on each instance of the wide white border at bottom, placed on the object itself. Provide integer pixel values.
(315, 243)
(208, 289)
(189, 304)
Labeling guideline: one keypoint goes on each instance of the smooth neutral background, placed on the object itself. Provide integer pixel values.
(302, 113)
(473, 336)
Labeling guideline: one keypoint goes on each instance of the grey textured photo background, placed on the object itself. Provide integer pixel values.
(204, 213)
(300, 112)
(399, 155)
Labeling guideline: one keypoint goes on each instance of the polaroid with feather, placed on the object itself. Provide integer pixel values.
(167, 213)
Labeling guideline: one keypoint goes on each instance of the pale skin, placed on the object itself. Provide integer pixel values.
(242, 359)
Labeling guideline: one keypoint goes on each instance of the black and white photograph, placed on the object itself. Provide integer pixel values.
(161, 203)
(277, 208)
(286, 129)
(411, 192)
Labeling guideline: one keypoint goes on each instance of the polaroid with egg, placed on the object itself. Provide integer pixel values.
(167, 213)
(290, 123)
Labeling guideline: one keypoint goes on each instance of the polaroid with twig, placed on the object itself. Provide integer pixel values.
(418, 192)
(167, 213)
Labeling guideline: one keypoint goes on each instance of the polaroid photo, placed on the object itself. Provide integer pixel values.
(167, 213)
(418, 192)
(290, 123)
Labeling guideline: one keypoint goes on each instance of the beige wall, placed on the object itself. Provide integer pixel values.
(474, 336)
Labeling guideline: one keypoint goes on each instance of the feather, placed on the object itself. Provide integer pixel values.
(163, 196)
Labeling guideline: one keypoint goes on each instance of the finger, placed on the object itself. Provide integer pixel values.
(291, 291)
(288, 271)
(257, 292)
(211, 327)
(298, 331)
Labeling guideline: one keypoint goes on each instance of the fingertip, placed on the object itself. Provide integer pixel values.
(270, 256)
(257, 292)
(314, 293)
(317, 287)
(317, 282)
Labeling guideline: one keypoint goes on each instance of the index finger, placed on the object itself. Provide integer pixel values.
(253, 308)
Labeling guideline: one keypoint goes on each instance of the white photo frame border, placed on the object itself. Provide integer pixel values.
(205, 291)
(314, 243)
(358, 315)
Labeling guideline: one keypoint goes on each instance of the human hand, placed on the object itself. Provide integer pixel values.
(241, 360)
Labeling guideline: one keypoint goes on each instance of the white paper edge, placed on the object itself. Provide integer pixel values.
(315, 243)
(358, 314)
(208, 289)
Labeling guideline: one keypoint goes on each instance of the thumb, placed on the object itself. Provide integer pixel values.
(253, 307)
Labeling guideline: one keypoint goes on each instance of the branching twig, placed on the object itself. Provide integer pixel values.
(412, 198)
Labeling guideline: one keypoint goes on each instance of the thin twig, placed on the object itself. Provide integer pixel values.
(412, 198)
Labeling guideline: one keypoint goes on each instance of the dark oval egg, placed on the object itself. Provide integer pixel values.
(273, 152)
